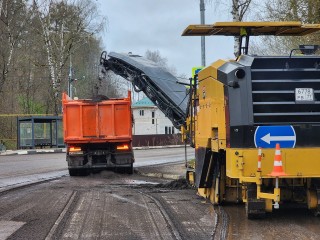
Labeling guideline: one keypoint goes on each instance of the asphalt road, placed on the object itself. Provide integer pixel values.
(119, 206)
(105, 206)
(20, 169)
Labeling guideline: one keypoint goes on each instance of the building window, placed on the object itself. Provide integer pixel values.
(172, 130)
(141, 112)
(152, 115)
(168, 130)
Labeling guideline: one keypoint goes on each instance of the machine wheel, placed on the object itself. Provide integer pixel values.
(219, 180)
(215, 198)
(317, 210)
(255, 208)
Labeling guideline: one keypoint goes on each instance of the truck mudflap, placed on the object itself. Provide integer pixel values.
(122, 158)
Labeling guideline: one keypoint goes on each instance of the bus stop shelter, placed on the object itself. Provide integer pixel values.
(39, 131)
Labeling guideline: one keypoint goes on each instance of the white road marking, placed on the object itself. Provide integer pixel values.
(9, 227)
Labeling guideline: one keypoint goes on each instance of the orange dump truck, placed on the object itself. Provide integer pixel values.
(98, 134)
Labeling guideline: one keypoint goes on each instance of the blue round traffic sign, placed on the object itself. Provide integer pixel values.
(269, 136)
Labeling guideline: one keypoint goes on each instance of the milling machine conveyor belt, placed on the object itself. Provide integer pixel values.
(158, 84)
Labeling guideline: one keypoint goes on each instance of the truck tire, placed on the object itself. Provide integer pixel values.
(129, 170)
(124, 170)
(73, 172)
(78, 172)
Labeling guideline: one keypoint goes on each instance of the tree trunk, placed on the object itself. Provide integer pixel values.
(236, 18)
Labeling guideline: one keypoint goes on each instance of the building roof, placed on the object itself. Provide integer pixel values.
(145, 102)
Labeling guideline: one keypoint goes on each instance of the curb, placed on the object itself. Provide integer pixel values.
(32, 151)
(157, 147)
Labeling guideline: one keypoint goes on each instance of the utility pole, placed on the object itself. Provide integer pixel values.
(203, 43)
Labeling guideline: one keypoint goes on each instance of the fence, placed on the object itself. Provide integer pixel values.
(156, 140)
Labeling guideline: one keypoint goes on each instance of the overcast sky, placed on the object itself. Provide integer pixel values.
(140, 25)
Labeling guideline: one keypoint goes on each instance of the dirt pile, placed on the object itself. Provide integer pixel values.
(176, 184)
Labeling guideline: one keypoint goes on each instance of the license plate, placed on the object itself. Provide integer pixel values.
(304, 94)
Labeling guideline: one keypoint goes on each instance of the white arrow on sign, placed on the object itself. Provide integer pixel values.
(267, 138)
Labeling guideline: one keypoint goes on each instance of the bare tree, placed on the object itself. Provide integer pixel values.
(36, 41)
(156, 57)
(239, 9)
(305, 11)
(65, 26)
(13, 18)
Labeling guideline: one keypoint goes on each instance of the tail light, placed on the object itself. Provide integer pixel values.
(123, 147)
(75, 150)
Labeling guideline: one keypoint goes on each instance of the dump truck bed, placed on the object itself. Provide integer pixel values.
(88, 121)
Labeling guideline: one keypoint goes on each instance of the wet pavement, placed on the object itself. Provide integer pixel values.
(106, 205)
(285, 223)
(231, 222)
(153, 203)
(19, 169)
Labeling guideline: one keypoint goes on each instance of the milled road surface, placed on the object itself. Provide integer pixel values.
(285, 223)
(105, 206)
(115, 206)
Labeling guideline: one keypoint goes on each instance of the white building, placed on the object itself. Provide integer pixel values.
(148, 119)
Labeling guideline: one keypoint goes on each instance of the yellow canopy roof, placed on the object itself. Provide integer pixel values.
(251, 28)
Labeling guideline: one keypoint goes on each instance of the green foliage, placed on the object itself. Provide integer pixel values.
(10, 144)
(31, 106)
(33, 71)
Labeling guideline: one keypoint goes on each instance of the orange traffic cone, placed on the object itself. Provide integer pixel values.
(259, 159)
(277, 165)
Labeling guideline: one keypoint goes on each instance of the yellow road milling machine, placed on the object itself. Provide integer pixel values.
(255, 122)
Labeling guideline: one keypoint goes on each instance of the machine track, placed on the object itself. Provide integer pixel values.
(220, 231)
(142, 211)
(166, 217)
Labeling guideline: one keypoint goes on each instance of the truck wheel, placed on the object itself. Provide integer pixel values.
(73, 172)
(129, 170)
(83, 172)
(122, 170)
